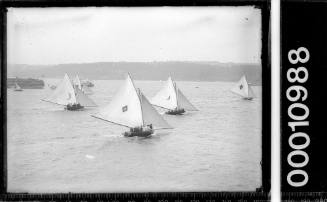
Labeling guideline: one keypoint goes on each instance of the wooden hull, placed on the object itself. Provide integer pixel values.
(143, 133)
(175, 112)
(74, 107)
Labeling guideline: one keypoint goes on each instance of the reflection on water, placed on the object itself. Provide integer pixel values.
(215, 149)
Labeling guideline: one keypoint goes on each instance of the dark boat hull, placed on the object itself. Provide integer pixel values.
(74, 107)
(247, 98)
(88, 84)
(138, 133)
(175, 112)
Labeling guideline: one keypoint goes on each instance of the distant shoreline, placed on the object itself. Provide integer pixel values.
(137, 80)
(180, 71)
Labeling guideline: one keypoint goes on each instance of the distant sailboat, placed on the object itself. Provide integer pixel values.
(73, 98)
(243, 89)
(170, 97)
(48, 86)
(78, 84)
(130, 108)
(17, 87)
(87, 83)
(87, 90)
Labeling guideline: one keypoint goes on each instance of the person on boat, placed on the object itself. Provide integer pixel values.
(147, 127)
(172, 110)
(136, 130)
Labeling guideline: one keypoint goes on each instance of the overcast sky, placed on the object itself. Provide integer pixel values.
(78, 35)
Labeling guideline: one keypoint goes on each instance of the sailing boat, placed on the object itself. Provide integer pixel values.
(17, 87)
(243, 89)
(170, 97)
(77, 84)
(49, 86)
(73, 98)
(87, 83)
(130, 108)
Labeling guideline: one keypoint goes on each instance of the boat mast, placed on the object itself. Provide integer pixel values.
(176, 93)
(140, 99)
(246, 82)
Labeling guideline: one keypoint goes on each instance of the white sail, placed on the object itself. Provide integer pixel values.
(125, 108)
(87, 90)
(64, 94)
(151, 116)
(17, 87)
(77, 82)
(83, 100)
(166, 97)
(170, 97)
(242, 88)
(184, 103)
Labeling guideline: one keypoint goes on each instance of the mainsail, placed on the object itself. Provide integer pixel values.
(130, 108)
(184, 103)
(150, 114)
(86, 90)
(171, 97)
(64, 94)
(77, 83)
(83, 100)
(17, 87)
(243, 89)
(166, 97)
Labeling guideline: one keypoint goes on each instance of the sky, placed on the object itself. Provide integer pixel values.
(47, 36)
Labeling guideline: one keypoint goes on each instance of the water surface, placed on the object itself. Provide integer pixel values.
(217, 148)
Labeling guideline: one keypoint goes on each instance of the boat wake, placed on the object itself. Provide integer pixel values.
(89, 156)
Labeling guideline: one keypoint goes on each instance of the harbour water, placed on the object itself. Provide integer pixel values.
(217, 148)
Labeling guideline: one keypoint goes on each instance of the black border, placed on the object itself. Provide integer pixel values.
(304, 25)
(261, 193)
(3, 99)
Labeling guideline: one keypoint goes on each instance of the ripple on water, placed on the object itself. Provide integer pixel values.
(66, 151)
